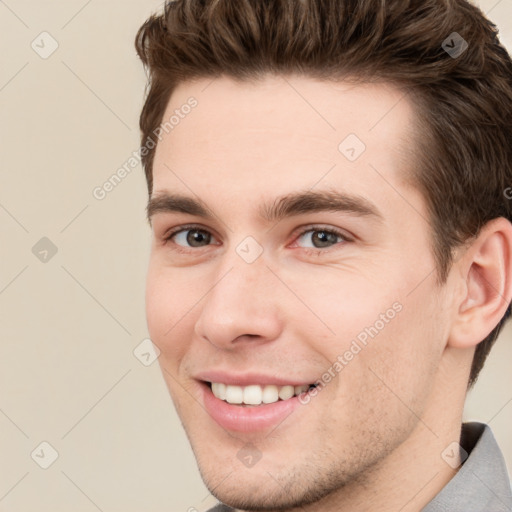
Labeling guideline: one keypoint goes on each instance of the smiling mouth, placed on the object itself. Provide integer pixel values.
(254, 394)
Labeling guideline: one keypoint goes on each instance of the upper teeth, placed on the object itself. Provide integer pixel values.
(255, 394)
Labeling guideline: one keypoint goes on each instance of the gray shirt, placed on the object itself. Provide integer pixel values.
(481, 484)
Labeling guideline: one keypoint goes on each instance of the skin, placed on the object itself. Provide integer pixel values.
(390, 413)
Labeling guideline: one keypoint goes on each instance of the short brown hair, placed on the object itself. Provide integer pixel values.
(463, 144)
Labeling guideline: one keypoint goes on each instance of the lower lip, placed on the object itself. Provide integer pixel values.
(247, 419)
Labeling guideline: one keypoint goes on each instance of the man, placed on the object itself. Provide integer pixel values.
(332, 250)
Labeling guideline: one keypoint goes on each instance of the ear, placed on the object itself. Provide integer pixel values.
(486, 271)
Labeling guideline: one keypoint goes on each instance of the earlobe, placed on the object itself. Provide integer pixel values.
(487, 270)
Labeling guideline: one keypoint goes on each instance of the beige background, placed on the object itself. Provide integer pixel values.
(69, 326)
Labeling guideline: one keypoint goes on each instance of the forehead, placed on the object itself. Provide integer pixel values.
(283, 133)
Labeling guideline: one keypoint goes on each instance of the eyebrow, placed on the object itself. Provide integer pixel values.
(289, 205)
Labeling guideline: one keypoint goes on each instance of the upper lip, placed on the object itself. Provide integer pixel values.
(248, 378)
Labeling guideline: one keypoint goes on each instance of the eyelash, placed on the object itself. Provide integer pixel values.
(192, 227)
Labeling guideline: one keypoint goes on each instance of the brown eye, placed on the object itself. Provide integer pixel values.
(191, 237)
(322, 238)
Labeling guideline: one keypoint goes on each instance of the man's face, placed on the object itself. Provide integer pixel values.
(345, 298)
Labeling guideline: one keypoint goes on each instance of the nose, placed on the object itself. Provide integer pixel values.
(241, 307)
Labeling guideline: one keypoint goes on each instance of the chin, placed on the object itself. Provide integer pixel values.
(274, 483)
(265, 493)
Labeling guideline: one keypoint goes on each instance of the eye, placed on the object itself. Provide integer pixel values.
(189, 236)
(322, 238)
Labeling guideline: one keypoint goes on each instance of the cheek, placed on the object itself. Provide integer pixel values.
(386, 385)
(345, 309)
(405, 355)
(166, 307)
(383, 330)
(156, 304)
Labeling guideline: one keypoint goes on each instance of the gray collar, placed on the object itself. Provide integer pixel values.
(482, 483)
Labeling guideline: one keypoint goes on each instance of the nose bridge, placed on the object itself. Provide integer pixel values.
(242, 271)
